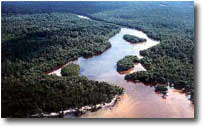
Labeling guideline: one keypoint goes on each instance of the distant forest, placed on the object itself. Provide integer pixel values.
(38, 36)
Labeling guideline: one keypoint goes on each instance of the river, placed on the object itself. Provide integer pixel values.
(139, 100)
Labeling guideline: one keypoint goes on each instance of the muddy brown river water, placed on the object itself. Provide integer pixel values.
(139, 100)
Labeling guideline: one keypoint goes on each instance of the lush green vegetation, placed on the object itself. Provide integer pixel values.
(70, 70)
(39, 36)
(133, 39)
(127, 63)
(36, 43)
(44, 41)
(25, 96)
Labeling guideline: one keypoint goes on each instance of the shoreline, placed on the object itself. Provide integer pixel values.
(80, 111)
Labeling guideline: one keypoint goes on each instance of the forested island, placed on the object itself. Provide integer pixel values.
(133, 39)
(126, 63)
(39, 36)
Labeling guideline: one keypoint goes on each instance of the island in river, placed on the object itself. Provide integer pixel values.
(133, 39)
(127, 63)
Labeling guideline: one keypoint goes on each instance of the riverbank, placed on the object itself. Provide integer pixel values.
(78, 112)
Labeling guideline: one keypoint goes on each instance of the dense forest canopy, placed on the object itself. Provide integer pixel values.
(39, 36)
(49, 40)
(36, 43)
